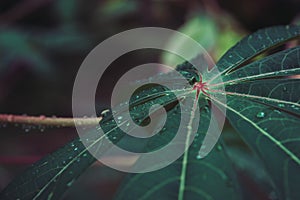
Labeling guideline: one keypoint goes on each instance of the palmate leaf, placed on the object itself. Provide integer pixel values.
(266, 113)
(189, 177)
(261, 104)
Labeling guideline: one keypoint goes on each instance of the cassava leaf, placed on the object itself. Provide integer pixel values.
(262, 104)
(266, 111)
(283, 63)
(52, 175)
(189, 177)
(255, 44)
(274, 134)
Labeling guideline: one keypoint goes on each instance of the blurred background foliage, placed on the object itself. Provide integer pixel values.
(42, 45)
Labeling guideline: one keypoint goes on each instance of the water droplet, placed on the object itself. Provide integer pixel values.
(294, 107)
(206, 109)
(219, 148)
(284, 89)
(50, 196)
(120, 117)
(281, 105)
(277, 111)
(71, 183)
(76, 148)
(260, 115)
(84, 155)
(105, 112)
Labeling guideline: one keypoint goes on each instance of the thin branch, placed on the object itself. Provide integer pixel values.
(49, 121)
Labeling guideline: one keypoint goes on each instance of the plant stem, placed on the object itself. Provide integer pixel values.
(49, 121)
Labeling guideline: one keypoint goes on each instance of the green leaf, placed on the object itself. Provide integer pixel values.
(274, 134)
(255, 44)
(189, 177)
(50, 177)
(262, 104)
(264, 108)
(283, 63)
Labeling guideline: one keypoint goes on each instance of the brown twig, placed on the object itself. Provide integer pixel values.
(49, 121)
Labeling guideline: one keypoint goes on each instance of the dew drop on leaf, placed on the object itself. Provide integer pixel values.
(277, 111)
(105, 112)
(284, 89)
(70, 183)
(260, 115)
(120, 117)
(206, 109)
(281, 105)
(294, 107)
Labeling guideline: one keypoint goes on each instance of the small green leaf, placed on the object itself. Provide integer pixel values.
(255, 44)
